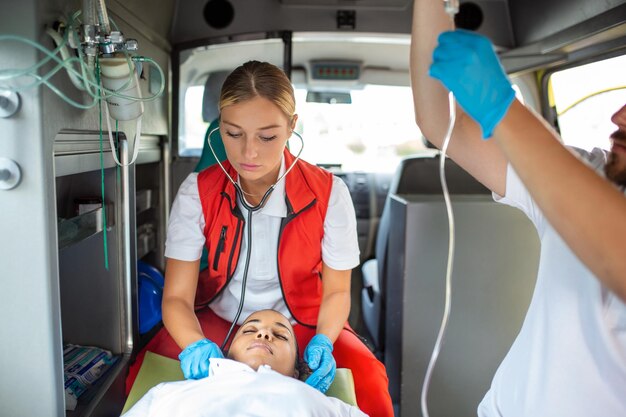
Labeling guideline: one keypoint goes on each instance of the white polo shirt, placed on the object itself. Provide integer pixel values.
(569, 358)
(185, 240)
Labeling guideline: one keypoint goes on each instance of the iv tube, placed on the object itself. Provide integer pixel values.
(451, 7)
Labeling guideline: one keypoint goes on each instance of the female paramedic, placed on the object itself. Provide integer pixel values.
(280, 233)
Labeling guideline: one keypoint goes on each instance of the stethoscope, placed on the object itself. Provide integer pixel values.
(251, 209)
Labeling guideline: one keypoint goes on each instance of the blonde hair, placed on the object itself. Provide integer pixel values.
(259, 79)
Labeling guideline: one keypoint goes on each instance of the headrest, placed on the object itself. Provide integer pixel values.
(419, 174)
(211, 98)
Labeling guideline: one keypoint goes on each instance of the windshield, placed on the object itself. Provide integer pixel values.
(372, 133)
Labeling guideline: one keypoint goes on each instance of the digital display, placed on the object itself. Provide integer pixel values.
(335, 71)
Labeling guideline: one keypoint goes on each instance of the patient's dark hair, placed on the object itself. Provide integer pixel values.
(301, 366)
(303, 370)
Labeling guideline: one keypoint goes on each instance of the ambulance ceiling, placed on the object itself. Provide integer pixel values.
(202, 20)
(532, 25)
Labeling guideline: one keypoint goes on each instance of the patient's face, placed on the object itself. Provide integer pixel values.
(266, 338)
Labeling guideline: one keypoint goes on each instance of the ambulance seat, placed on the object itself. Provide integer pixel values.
(416, 174)
(210, 113)
(495, 266)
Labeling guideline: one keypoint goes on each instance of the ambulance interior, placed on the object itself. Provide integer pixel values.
(83, 236)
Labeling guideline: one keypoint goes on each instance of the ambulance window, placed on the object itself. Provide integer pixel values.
(194, 127)
(585, 97)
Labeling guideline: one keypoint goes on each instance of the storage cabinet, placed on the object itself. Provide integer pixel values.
(150, 203)
(151, 209)
(97, 238)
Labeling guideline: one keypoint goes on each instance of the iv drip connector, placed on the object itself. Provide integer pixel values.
(451, 7)
(115, 42)
(95, 42)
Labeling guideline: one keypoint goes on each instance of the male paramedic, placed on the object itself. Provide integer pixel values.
(569, 358)
(259, 378)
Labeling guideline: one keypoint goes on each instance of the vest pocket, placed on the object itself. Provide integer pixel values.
(220, 247)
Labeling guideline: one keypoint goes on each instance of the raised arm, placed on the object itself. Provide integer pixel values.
(482, 159)
(587, 211)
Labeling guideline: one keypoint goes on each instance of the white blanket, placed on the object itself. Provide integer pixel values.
(235, 389)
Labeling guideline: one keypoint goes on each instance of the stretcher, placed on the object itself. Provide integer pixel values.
(156, 369)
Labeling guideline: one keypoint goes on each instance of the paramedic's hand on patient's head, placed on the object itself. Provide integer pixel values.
(319, 356)
(467, 65)
(194, 359)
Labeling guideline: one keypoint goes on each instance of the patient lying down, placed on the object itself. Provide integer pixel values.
(259, 379)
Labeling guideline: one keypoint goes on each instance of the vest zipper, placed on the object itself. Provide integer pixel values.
(290, 216)
(238, 238)
(220, 247)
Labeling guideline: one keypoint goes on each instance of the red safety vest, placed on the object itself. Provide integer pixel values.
(307, 191)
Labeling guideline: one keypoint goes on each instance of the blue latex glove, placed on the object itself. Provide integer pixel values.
(194, 359)
(319, 356)
(467, 65)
